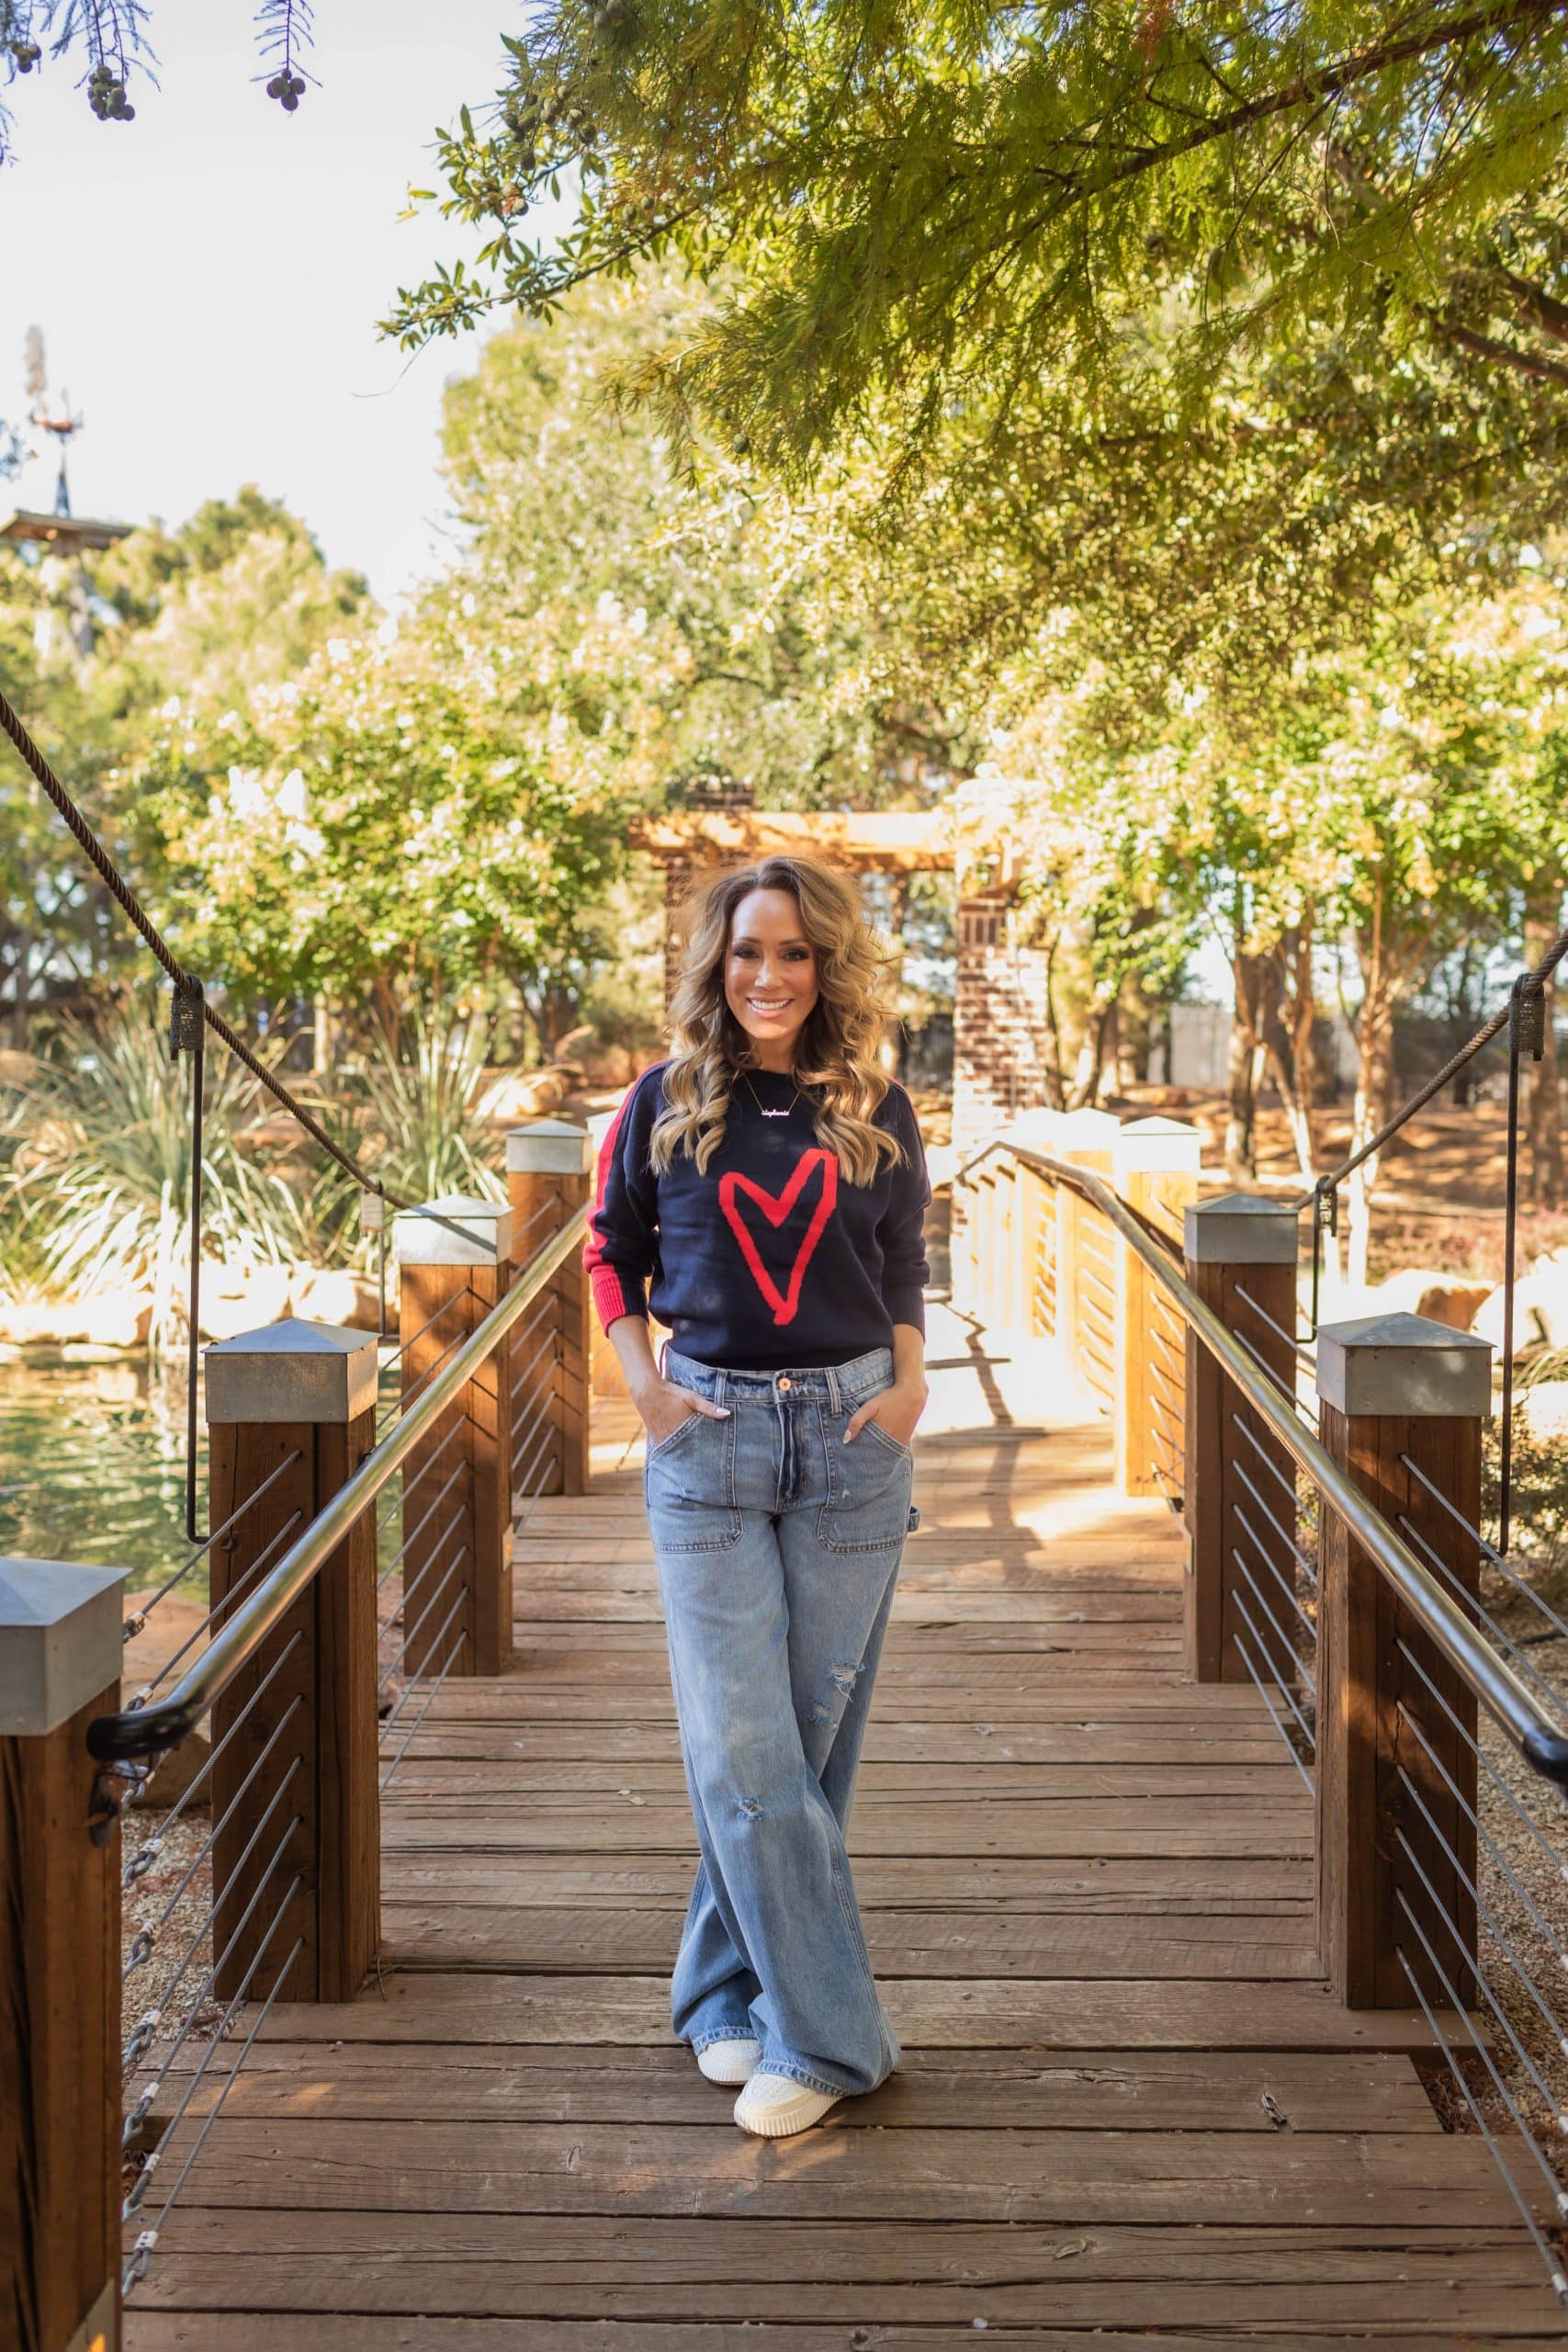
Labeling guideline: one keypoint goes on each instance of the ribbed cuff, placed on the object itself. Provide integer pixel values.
(905, 1304)
(613, 1296)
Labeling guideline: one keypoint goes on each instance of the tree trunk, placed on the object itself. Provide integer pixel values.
(21, 971)
(1543, 1078)
(1244, 1067)
(1374, 1085)
(1055, 1086)
(387, 1011)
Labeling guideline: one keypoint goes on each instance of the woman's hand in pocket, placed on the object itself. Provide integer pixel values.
(896, 1409)
(663, 1408)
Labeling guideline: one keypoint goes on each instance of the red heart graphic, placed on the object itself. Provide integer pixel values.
(775, 1208)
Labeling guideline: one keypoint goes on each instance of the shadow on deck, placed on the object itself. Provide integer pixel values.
(1127, 2109)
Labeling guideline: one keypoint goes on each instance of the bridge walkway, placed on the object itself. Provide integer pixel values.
(1129, 2110)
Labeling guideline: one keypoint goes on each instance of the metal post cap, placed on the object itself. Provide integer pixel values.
(548, 1148)
(461, 1230)
(1403, 1365)
(60, 1641)
(1240, 1229)
(291, 1371)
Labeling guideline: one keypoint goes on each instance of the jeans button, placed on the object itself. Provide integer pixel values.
(785, 1384)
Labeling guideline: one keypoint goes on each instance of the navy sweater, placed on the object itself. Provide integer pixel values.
(771, 1259)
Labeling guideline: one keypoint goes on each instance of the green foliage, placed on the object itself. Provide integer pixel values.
(423, 1111)
(98, 1181)
(933, 207)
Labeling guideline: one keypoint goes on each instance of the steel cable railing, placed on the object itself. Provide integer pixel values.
(217, 1899)
(1469, 1788)
(1439, 1616)
(140, 1732)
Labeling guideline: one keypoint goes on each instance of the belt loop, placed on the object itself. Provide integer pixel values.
(835, 1400)
(721, 1387)
(663, 1351)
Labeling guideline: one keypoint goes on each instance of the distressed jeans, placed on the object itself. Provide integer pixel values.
(778, 1549)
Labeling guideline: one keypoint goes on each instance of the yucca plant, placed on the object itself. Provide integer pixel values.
(424, 1131)
(100, 1170)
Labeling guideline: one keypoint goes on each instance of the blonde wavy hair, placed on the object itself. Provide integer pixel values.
(837, 1058)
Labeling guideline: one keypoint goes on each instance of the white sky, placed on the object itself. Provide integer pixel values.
(207, 277)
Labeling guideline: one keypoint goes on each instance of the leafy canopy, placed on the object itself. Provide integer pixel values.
(933, 205)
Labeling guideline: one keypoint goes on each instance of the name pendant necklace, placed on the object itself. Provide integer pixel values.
(762, 1106)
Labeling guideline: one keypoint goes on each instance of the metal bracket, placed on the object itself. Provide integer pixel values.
(187, 1020)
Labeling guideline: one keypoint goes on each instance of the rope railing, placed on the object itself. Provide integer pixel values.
(191, 1017)
(1336, 1559)
(149, 1730)
(228, 1903)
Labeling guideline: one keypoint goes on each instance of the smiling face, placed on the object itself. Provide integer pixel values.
(769, 974)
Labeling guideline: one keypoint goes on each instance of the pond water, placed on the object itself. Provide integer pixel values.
(92, 1464)
(92, 1467)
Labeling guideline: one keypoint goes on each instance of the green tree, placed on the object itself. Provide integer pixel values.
(928, 207)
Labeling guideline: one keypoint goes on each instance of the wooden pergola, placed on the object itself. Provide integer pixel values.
(999, 997)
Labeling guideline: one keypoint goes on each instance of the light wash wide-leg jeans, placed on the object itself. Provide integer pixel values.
(778, 1549)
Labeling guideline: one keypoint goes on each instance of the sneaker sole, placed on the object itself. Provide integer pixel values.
(779, 2125)
(727, 2082)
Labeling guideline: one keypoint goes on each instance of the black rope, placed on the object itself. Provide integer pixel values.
(192, 1017)
(1530, 983)
(187, 988)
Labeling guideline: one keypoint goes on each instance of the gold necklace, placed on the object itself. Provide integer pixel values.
(761, 1105)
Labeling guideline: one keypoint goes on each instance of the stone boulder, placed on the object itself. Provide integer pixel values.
(1545, 1405)
(1451, 1299)
(109, 1319)
(1540, 1307)
(241, 1298)
(334, 1294)
(529, 1094)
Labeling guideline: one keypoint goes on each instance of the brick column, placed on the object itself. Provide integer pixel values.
(999, 1024)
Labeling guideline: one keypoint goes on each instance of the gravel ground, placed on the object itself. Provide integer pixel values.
(1522, 1886)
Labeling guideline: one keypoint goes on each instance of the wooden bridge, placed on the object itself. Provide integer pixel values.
(1136, 2105)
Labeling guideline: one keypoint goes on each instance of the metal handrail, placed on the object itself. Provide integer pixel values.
(1483, 1672)
(146, 1731)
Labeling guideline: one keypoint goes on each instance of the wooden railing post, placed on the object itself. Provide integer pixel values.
(549, 1172)
(454, 1264)
(1238, 1243)
(296, 1404)
(1156, 1173)
(59, 1961)
(1402, 1401)
(1086, 1256)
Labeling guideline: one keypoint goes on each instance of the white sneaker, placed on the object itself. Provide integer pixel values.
(730, 2061)
(774, 2107)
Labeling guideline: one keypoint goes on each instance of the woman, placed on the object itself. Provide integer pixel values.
(770, 1180)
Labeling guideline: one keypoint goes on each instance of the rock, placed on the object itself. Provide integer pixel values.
(1540, 1308)
(334, 1294)
(1545, 1407)
(612, 1066)
(525, 1094)
(114, 1321)
(1452, 1300)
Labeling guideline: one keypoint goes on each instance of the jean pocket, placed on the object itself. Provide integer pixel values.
(867, 1507)
(688, 1485)
(680, 1430)
(886, 1437)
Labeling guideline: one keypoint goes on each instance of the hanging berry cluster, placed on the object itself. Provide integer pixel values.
(106, 94)
(287, 89)
(24, 54)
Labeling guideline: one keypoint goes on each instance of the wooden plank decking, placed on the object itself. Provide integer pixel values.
(1128, 2110)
